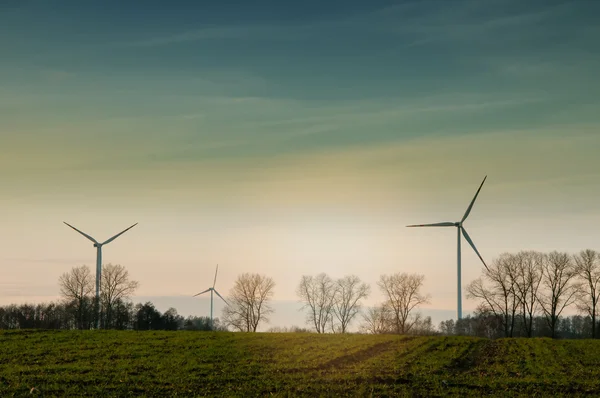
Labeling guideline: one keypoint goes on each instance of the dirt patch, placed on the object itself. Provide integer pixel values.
(356, 357)
(469, 358)
(488, 353)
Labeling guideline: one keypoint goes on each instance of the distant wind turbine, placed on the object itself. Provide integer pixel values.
(211, 290)
(98, 247)
(459, 226)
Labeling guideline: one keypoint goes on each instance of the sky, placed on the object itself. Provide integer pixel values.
(293, 138)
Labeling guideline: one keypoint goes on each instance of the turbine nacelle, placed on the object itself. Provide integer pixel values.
(96, 243)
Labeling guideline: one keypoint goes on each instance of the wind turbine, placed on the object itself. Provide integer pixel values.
(98, 247)
(211, 290)
(459, 226)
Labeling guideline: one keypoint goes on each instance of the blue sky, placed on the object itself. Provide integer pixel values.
(289, 121)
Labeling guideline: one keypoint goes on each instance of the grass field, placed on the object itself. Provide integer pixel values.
(119, 363)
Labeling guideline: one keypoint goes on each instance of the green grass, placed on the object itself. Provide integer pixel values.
(122, 363)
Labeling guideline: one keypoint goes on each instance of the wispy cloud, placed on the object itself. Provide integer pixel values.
(304, 29)
(260, 126)
(467, 23)
(358, 174)
(252, 32)
(541, 66)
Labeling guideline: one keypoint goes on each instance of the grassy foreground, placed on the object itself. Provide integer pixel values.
(120, 363)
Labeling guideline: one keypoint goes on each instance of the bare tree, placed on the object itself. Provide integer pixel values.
(493, 301)
(249, 302)
(527, 276)
(498, 297)
(347, 303)
(559, 273)
(403, 296)
(587, 266)
(377, 320)
(77, 286)
(319, 294)
(116, 286)
(423, 326)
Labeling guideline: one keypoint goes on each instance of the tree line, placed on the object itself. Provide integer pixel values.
(526, 293)
(78, 309)
(489, 326)
(332, 304)
(522, 294)
(248, 303)
(127, 316)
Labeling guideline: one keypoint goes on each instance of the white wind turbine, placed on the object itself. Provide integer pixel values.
(211, 290)
(98, 247)
(459, 226)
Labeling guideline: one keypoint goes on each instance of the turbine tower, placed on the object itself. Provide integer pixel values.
(98, 247)
(460, 228)
(211, 290)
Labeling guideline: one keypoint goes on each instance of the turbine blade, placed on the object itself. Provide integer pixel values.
(221, 297)
(439, 224)
(119, 234)
(215, 282)
(207, 290)
(82, 233)
(472, 202)
(468, 238)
